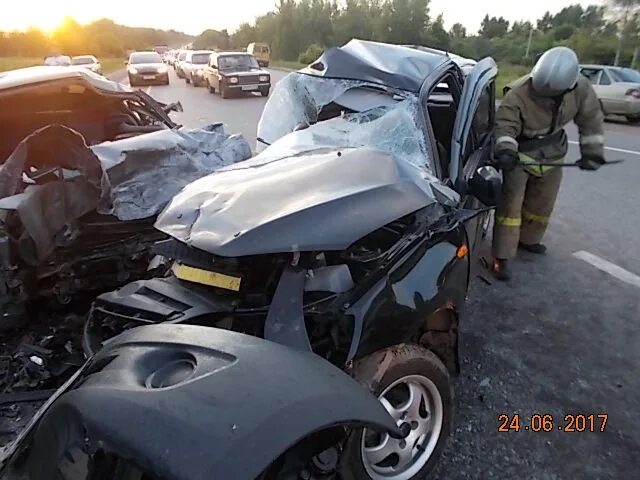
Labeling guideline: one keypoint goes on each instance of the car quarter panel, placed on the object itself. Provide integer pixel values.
(431, 276)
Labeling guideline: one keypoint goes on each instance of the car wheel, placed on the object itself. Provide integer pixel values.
(633, 119)
(131, 82)
(210, 88)
(264, 92)
(223, 92)
(194, 81)
(187, 79)
(415, 388)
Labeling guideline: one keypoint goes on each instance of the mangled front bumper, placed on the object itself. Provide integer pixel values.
(162, 388)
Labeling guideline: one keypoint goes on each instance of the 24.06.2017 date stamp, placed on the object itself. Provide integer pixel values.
(595, 422)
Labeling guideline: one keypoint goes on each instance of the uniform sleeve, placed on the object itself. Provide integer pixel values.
(508, 123)
(590, 121)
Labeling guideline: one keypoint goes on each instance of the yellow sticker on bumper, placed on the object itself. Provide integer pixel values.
(205, 277)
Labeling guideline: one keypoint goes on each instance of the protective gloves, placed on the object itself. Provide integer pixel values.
(506, 159)
(590, 162)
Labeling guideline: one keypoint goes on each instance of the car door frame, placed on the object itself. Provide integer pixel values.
(467, 153)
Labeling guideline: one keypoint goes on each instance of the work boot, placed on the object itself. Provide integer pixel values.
(537, 248)
(500, 269)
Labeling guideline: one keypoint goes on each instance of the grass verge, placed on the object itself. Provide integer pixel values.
(11, 63)
(286, 64)
(507, 74)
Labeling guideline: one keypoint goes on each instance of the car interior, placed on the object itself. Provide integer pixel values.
(97, 117)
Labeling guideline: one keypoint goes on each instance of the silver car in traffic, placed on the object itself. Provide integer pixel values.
(617, 88)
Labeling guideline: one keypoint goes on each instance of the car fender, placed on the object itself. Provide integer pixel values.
(189, 402)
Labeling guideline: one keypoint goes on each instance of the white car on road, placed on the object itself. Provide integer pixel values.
(87, 61)
(194, 65)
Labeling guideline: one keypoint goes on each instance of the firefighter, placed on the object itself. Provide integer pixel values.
(530, 129)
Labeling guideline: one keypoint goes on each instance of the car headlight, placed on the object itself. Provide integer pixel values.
(233, 79)
(162, 69)
(263, 78)
(133, 70)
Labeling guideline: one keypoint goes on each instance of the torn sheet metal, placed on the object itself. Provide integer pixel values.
(143, 173)
(132, 178)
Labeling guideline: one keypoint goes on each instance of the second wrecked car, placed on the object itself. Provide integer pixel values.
(350, 236)
(87, 164)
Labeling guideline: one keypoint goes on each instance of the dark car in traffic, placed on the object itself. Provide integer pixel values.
(351, 236)
(235, 72)
(147, 68)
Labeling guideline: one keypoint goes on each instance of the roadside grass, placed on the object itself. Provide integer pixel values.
(507, 74)
(12, 63)
(109, 65)
(286, 64)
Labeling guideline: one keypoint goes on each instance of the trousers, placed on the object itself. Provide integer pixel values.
(525, 209)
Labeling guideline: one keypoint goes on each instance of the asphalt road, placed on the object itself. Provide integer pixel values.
(562, 338)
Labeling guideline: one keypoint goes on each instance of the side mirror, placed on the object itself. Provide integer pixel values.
(486, 185)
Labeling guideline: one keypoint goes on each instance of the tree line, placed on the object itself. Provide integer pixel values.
(103, 38)
(299, 29)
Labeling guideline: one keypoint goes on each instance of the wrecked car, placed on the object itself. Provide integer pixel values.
(87, 164)
(350, 236)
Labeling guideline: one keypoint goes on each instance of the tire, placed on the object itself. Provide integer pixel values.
(264, 92)
(407, 368)
(131, 82)
(187, 79)
(633, 119)
(223, 92)
(210, 88)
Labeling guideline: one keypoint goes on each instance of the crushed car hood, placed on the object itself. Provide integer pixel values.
(313, 199)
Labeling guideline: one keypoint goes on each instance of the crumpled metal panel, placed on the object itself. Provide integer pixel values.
(381, 63)
(324, 199)
(132, 179)
(143, 173)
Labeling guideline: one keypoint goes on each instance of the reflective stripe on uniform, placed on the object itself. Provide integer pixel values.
(507, 139)
(530, 164)
(509, 221)
(591, 139)
(532, 217)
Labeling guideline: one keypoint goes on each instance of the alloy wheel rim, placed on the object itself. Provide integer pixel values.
(416, 406)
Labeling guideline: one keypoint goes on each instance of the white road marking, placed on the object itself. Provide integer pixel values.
(613, 149)
(608, 267)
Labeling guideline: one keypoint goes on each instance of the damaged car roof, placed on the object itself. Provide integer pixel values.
(34, 75)
(394, 66)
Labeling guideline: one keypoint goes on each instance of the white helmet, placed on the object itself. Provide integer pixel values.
(556, 72)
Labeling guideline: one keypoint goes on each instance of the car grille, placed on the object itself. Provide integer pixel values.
(248, 80)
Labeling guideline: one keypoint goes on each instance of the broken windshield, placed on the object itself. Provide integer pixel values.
(329, 113)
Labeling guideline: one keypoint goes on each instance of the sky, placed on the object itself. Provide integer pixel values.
(197, 15)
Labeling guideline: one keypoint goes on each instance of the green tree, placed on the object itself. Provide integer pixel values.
(458, 31)
(493, 27)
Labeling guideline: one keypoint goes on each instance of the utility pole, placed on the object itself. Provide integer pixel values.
(526, 55)
(636, 58)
